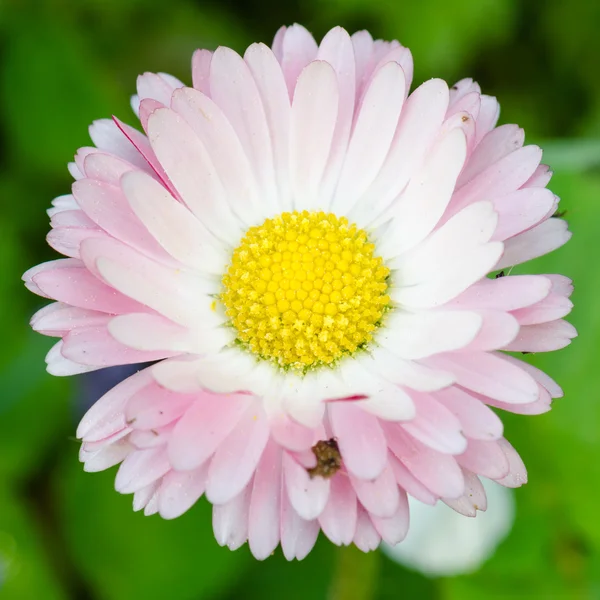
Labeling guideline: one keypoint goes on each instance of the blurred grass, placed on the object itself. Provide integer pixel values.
(67, 535)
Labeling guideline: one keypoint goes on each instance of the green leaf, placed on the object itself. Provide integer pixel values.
(126, 555)
(24, 570)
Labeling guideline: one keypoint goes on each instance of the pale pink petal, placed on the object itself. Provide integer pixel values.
(153, 407)
(419, 124)
(494, 146)
(205, 427)
(265, 504)
(426, 196)
(179, 295)
(311, 132)
(543, 337)
(141, 468)
(477, 420)
(106, 136)
(435, 425)
(522, 210)
(234, 90)
(438, 472)
(491, 375)
(448, 261)
(106, 457)
(504, 293)
(413, 336)
(360, 438)
(338, 520)
(366, 537)
(540, 178)
(230, 520)
(485, 458)
(227, 154)
(180, 490)
(517, 475)
(294, 48)
(407, 481)
(502, 177)
(374, 129)
(394, 529)
(270, 82)
(380, 497)
(474, 498)
(297, 535)
(57, 319)
(498, 329)
(236, 458)
(201, 70)
(307, 495)
(187, 163)
(540, 240)
(95, 346)
(107, 415)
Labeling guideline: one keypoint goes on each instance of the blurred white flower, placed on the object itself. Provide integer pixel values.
(440, 542)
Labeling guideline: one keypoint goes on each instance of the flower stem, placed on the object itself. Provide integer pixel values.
(355, 575)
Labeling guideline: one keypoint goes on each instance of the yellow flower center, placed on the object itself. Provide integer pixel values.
(305, 288)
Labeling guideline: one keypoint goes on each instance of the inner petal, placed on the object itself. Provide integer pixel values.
(304, 289)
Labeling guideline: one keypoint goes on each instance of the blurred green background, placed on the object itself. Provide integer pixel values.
(67, 535)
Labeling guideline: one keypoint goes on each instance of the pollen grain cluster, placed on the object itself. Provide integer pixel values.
(304, 288)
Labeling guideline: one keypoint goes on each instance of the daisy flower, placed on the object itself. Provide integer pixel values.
(302, 249)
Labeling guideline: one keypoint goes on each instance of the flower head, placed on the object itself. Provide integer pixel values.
(304, 247)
